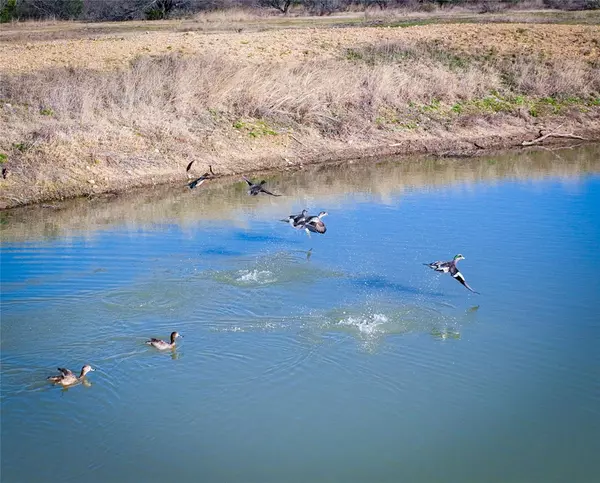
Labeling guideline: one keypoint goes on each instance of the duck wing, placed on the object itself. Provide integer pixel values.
(297, 219)
(189, 166)
(316, 227)
(267, 192)
(250, 183)
(459, 276)
(65, 371)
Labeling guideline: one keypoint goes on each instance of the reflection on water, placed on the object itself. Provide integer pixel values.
(222, 202)
(336, 358)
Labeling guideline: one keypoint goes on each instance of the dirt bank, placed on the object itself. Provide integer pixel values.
(94, 115)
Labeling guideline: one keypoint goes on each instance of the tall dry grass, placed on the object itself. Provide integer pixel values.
(339, 97)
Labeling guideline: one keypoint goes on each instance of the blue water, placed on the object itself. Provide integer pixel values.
(349, 363)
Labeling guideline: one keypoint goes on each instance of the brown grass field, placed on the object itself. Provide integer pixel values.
(90, 108)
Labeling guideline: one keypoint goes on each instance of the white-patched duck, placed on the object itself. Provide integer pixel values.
(450, 267)
(198, 181)
(315, 223)
(296, 221)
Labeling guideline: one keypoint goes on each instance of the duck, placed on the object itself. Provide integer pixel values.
(67, 378)
(315, 223)
(161, 345)
(451, 268)
(256, 188)
(296, 221)
(198, 181)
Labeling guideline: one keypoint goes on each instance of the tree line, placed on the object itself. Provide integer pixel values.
(106, 10)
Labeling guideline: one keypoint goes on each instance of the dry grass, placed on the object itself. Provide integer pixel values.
(401, 79)
(71, 129)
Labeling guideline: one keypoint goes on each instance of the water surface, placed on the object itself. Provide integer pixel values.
(334, 358)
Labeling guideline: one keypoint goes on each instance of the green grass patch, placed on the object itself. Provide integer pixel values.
(255, 129)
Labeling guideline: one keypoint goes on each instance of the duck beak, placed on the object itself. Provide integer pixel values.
(92, 369)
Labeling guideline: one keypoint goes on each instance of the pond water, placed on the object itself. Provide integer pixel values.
(334, 358)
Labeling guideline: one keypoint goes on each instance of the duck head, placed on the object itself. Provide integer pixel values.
(458, 257)
(175, 335)
(322, 214)
(85, 369)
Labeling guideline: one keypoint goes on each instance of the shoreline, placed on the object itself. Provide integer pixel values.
(94, 115)
(451, 147)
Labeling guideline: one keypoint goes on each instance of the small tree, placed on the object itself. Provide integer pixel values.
(282, 5)
(8, 11)
(160, 9)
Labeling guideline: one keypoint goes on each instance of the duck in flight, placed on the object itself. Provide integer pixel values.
(451, 268)
(255, 189)
(296, 221)
(161, 345)
(315, 223)
(67, 378)
(198, 181)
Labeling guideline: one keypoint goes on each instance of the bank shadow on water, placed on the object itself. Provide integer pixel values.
(225, 201)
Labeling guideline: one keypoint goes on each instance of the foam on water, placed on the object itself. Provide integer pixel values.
(260, 277)
(369, 324)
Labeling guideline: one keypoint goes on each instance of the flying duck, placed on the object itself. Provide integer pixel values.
(201, 179)
(296, 221)
(315, 223)
(161, 345)
(450, 267)
(67, 378)
(255, 189)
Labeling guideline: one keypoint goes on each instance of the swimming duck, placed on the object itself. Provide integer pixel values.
(315, 223)
(450, 267)
(161, 345)
(255, 189)
(67, 378)
(296, 221)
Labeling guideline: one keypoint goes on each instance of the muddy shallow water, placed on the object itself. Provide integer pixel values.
(338, 357)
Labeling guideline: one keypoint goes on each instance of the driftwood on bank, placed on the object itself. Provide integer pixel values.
(551, 134)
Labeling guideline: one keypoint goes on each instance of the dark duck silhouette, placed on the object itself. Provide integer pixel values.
(451, 268)
(256, 188)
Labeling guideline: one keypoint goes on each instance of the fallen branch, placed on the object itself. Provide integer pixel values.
(551, 134)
